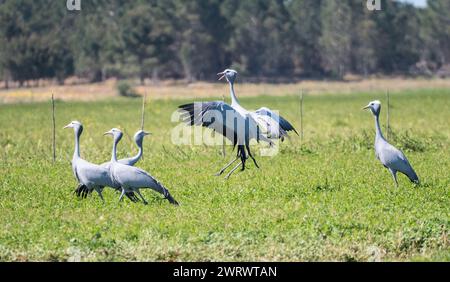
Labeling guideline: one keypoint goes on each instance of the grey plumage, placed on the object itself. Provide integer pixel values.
(392, 158)
(82, 191)
(131, 179)
(89, 175)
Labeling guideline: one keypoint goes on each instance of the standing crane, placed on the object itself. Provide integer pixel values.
(130, 178)
(92, 176)
(237, 124)
(392, 158)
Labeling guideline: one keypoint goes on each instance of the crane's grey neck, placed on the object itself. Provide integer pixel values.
(234, 100)
(140, 149)
(378, 133)
(78, 131)
(114, 150)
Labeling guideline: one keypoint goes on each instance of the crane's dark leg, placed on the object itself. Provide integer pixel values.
(225, 167)
(251, 156)
(394, 175)
(142, 197)
(243, 155)
(99, 191)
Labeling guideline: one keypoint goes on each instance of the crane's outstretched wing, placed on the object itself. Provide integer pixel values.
(220, 117)
(275, 125)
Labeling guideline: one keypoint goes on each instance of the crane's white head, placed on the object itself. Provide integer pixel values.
(139, 136)
(73, 124)
(116, 133)
(76, 125)
(374, 106)
(229, 74)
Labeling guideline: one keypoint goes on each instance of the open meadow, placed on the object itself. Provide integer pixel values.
(325, 197)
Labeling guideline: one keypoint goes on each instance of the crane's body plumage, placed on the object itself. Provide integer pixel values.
(391, 158)
(235, 123)
(89, 175)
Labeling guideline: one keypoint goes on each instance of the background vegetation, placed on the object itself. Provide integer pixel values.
(273, 40)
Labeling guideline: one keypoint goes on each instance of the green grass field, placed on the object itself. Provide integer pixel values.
(326, 198)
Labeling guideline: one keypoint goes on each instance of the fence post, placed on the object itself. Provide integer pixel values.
(53, 130)
(388, 128)
(301, 115)
(144, 98)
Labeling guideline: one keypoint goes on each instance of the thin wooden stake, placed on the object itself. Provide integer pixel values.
(144, 98)
(54, 129)
(301, 115)
(388, 128)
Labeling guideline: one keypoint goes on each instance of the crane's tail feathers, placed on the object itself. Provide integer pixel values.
(411, 174)
(167, 195)
(171, 199)
(77, 190)
(82, 191)
(414, 178)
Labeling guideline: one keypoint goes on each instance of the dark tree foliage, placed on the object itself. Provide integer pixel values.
(267, 39)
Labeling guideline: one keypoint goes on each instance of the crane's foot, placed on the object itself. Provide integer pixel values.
(225, 167)
(231, 172)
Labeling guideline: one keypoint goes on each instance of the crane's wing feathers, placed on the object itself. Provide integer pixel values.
(212, 115)
(133, 177)
(276, 125)
(393, 158)
(92, 174)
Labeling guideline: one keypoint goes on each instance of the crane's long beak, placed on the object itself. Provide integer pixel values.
(108, 133)
(366, 107)
(222, 75)
(147, 133)
(67, 126)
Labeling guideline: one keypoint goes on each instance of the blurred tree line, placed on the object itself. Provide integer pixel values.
(277, 39)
